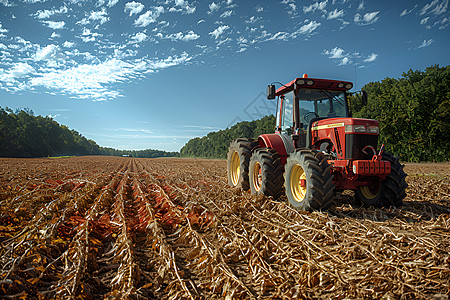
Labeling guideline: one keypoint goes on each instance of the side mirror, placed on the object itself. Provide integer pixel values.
(271, 92)
(364, 97)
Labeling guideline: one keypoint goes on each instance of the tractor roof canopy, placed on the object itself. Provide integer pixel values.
(314, 83)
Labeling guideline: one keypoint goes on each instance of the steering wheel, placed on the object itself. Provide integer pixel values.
(309, 113)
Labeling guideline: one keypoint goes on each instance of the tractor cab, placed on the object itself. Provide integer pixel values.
(306, 100)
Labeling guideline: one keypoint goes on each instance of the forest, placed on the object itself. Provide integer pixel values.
(215, 144)
(24, 135)
(413, 111)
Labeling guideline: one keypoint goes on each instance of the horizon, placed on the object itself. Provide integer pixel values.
(133, 75)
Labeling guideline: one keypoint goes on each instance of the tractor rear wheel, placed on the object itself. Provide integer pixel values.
(389, 192)
(266, 173)
(238, 159)
(308, 180)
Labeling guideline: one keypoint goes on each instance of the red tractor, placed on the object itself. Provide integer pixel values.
(320, 149)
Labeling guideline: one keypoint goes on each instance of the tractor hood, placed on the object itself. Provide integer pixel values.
(354, 125)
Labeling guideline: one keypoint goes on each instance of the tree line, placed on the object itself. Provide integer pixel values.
(215, 144)
(413, 112)
(24, 135)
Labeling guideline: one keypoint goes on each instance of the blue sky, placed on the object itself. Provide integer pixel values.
(154, 74)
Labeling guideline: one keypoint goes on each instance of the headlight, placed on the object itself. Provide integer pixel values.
(355, 128)
(349, 86)
(373, 129)
(310, 82)
(341, 85)
(300, 82)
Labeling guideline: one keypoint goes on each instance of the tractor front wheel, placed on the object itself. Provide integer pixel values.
(266, 173)
(238, 159)
(308, 180)
(389, 192)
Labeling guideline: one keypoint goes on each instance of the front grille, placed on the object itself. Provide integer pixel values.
(354, 143)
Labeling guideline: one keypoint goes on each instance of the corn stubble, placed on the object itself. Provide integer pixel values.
(124, 228)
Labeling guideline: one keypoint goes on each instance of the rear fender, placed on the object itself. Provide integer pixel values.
(275, 141)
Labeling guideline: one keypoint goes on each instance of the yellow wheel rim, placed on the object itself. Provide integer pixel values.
(257, 176)
(235, 168)
(367, 193)
(298, 183)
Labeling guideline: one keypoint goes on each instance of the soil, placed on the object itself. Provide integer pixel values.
(118, 227)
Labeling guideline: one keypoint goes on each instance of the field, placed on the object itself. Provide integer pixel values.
(113, 227)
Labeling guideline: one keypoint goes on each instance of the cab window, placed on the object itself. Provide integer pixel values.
(321, 104)
(286, 120)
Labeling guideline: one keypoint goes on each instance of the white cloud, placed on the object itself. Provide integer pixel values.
(111, 3)
(315, 6)
(185, 7)
(335, 14)
(219, 31)
(93, 81)
(344, 58)
(426, 43)
(227, 40)
(336, 52)
(252, 20)
(407, 12)
(279, 36)
(47, 53)
(435, 7)
(190, 9)
(308, 28)
(133, 7)
(372, 57)
(444, 23)
(361, 6)
(180, 36)
(149, 17)
(88, 36)
(68, 44)
(6, 3)
(46, 13)
(169, 62)
(367, 19)
(100, 16)
(344, 61)
(55, 25)
(226, 14)
(139, 37)
(292, 9)
(424, 20)
(18, 70)
(2, 30)
(55, 35)
(213, 7)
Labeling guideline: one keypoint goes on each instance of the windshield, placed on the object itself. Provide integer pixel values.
(321, 104)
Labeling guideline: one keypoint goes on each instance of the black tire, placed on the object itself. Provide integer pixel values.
(389, 192)
(238, 159)
(317, 193)
(266, 173)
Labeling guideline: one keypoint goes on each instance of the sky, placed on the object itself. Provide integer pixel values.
(154, 74)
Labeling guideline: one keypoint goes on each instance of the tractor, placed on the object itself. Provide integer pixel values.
(317, 151)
